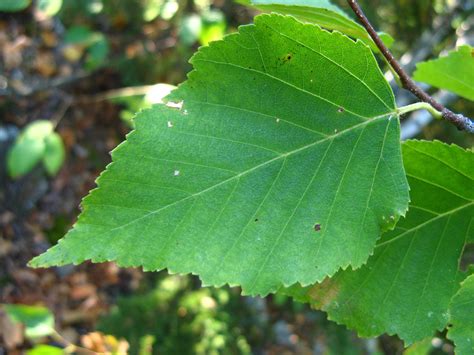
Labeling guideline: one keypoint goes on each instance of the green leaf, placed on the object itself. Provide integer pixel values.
(320, 12)
(283, 165)
(38, 321)
(50, 7)
(29, 148)
(151, 9)
(455, 72)
(96, 44)
(97, 52)
(190, 29)
(53, 157)
(37, 130)
(461, 318)
(14, 5)
(23, 156)
(80, 35)
(45, 350)
(213, 27)
(407, 285)
(422, 347)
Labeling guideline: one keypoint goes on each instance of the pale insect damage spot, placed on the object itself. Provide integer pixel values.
(277, 120)
(177, 105)
(170, 124)
(176, 173)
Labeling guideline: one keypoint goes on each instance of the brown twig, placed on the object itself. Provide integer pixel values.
(459, 120)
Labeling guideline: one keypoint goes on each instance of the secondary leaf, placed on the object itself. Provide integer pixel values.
(53, 157)
(28, 148)
(45, 350)
(320, 12)
(455, 72)
(50, 7)
(407, 285)
(422, 347)
(14, 5)
(462, 319)
(38, 321)
(282, 166)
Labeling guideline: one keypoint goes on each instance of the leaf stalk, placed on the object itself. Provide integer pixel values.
(420, 106)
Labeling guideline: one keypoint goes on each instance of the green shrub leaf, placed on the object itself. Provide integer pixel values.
(53, 157)
(28, 148)
(14, 5)
(50, 7)
(38, 321)
(455, 72)
(406, 286)
(283, 165)
(45, 350)
(462, 320)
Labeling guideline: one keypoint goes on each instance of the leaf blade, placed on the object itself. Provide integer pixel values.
(462, 325)
(406, 286)
(322, 13)
(453, 72)
(38, 321)
(212, 198)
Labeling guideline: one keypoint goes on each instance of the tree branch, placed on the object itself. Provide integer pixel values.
(459, 120)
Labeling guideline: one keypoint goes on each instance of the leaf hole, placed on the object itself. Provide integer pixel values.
(341, 110)
(177, 105)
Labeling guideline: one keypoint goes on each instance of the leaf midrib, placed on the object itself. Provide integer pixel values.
(245, 172)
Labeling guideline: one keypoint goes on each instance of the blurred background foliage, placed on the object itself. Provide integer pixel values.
(82, 69)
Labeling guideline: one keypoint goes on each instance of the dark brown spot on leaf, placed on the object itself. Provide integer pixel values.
(340, 109)
(317, 227)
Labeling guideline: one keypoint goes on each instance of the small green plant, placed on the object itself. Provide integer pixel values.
(14, 5)
(80, 39)
(278, 167)
(38, 325)
(37, 143)
(47, 7)
(175, 318)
